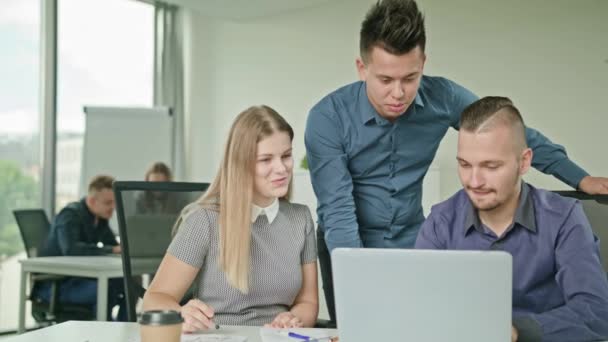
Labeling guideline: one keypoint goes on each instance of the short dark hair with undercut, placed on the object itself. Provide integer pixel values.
(397, 26)
(491, 111)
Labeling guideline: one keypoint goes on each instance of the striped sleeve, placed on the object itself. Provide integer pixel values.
(191, 243)
(309, 252)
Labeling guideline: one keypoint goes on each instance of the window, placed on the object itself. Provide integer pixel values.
(19, 139)
(105, 58)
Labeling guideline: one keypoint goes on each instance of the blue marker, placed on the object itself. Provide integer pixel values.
(294, 335)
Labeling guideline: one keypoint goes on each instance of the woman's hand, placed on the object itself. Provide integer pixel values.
(197, 316)
(285, 320)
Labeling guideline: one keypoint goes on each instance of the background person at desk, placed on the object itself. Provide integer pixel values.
(78, 230)
(159, 172)
(158, 202)
(369, 144)
(560, 291)
(255, 251)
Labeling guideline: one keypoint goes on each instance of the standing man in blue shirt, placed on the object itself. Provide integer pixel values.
(370, 143)
(560, 291)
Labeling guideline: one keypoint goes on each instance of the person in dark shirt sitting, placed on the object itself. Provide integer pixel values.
(81, 228)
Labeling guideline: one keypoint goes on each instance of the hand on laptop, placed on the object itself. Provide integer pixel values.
(197, 316)
(116, 249)
(514, 334)
(285, 320)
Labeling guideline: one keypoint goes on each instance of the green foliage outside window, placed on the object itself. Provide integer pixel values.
(17, 191)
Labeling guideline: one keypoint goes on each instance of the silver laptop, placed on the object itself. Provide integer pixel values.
(149, 234)
(421, 295)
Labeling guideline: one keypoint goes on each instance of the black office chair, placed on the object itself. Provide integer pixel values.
(596, 209)
(148, 204)
(34, 227)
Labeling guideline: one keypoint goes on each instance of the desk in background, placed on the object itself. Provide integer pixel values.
(101, 268)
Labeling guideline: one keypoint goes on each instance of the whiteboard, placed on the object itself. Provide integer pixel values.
(124, 141)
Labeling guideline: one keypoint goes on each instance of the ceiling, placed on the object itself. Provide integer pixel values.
(244, 9)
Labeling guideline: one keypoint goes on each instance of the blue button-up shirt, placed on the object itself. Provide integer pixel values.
(367, 172)
(560, 291)
(74, 232)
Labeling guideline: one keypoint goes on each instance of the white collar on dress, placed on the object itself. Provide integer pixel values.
(270, 211)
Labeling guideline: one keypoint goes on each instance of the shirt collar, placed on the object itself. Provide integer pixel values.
(524, 214)
(270, 211)
(367, 110)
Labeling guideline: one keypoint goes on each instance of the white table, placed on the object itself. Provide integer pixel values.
(118, 332)
(101, 268)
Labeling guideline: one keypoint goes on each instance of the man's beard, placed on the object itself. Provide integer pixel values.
(486, 207)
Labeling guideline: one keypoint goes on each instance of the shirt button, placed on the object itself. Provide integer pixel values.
(496, 246)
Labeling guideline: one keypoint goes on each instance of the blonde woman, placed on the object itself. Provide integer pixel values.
(255, 250)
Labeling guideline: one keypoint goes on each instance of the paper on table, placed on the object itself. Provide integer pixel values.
(275, 335)
(206, 338)
(211, 338)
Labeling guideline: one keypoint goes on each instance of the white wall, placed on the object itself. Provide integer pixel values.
(200, 59)
(288, 62)
(549, 56)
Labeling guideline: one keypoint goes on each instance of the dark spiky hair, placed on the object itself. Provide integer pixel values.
(397, 26)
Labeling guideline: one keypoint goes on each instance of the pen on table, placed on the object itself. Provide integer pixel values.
(295, 335)
(309, 338)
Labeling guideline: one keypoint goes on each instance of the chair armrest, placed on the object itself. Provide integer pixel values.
(325, 324)
(138, 290)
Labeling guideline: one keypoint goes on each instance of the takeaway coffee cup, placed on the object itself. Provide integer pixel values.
(160, 326)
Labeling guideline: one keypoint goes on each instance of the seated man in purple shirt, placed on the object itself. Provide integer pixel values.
(560, 291)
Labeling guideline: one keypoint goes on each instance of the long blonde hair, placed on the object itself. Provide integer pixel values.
(231, 192)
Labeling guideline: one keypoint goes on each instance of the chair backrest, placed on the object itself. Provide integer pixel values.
(596, 209)
(34, 227)
(146, 213)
